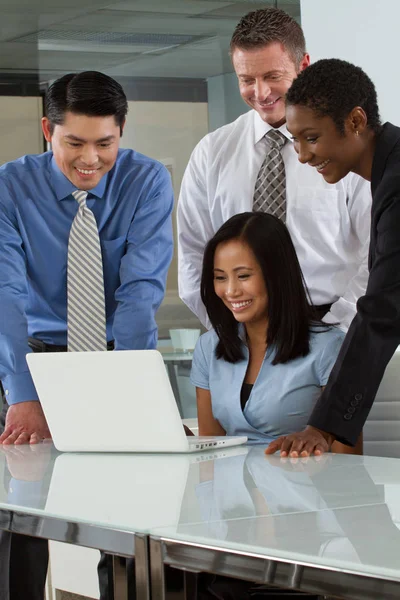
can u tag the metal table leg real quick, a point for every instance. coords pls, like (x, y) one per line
(120, 580)
(157, 570)
(142, 567)
(142, 571)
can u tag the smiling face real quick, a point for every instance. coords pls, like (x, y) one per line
(319, 143)
(265, 74)
(239, 282)
(84, 148)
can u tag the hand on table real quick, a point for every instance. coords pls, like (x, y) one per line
(304, 443)
(25, 424)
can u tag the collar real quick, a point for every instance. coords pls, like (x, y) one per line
(261, 128)
(63, 187)
(242, 333)
(243, 337)
(387, 138)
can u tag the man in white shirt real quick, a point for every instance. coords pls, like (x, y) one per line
(329, 224)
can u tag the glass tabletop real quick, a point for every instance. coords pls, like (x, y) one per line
(130, 492)
(337, 511)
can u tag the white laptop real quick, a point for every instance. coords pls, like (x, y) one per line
(113, 402)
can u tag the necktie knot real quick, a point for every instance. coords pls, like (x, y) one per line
(276, 138)
(80, 196)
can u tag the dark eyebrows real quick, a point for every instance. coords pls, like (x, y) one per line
(267, 74)
(235, 269)
(302, 131)
(108, 138)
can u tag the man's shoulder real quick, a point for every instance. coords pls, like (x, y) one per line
(350, 187)
(20, 167)
(131, 160)
(353, 181)
(134, 173)
(230, 132)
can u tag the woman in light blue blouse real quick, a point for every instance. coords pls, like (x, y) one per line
(261, 368)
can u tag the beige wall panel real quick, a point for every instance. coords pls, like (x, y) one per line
(168, 132)
(20, 130)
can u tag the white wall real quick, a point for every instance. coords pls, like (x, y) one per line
(364, 32)
(168, 132)
(225, 103)
(73, 569)
(20, 127)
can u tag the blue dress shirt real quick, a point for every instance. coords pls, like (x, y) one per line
(132, 205)
(283, 395)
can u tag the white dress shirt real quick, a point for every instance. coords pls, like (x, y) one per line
(329, 224)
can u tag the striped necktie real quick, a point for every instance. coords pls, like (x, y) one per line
(85, 283)
(270, 188)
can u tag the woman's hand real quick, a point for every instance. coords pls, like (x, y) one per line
(304, 443)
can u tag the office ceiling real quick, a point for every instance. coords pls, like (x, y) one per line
(134, 38)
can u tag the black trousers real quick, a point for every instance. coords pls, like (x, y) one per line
(217, 587)
(23, 559)
(173, 578)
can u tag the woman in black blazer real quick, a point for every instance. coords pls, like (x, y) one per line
(332, 114)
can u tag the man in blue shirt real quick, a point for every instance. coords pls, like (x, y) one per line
(131, 198)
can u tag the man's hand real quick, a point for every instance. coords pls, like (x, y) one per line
(25, 424)
(307, 442)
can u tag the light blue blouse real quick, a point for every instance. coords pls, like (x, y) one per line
(283, 395)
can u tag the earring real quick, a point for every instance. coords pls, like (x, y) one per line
(357, 132)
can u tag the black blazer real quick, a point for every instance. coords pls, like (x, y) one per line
(374, 333)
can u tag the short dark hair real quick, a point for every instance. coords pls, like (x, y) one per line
(267, 25)
(332, 88)
(90, 93)
(289, 310)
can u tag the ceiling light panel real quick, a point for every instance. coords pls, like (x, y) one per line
(181, 7)
(106, 37)
(85, 61)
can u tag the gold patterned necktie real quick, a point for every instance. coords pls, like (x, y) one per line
(270, 188)
(85, 282)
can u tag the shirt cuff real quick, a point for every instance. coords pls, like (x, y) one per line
(341, 314)
(19, 388)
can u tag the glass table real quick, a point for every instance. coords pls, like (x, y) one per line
(328, 525)
(83, 499)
